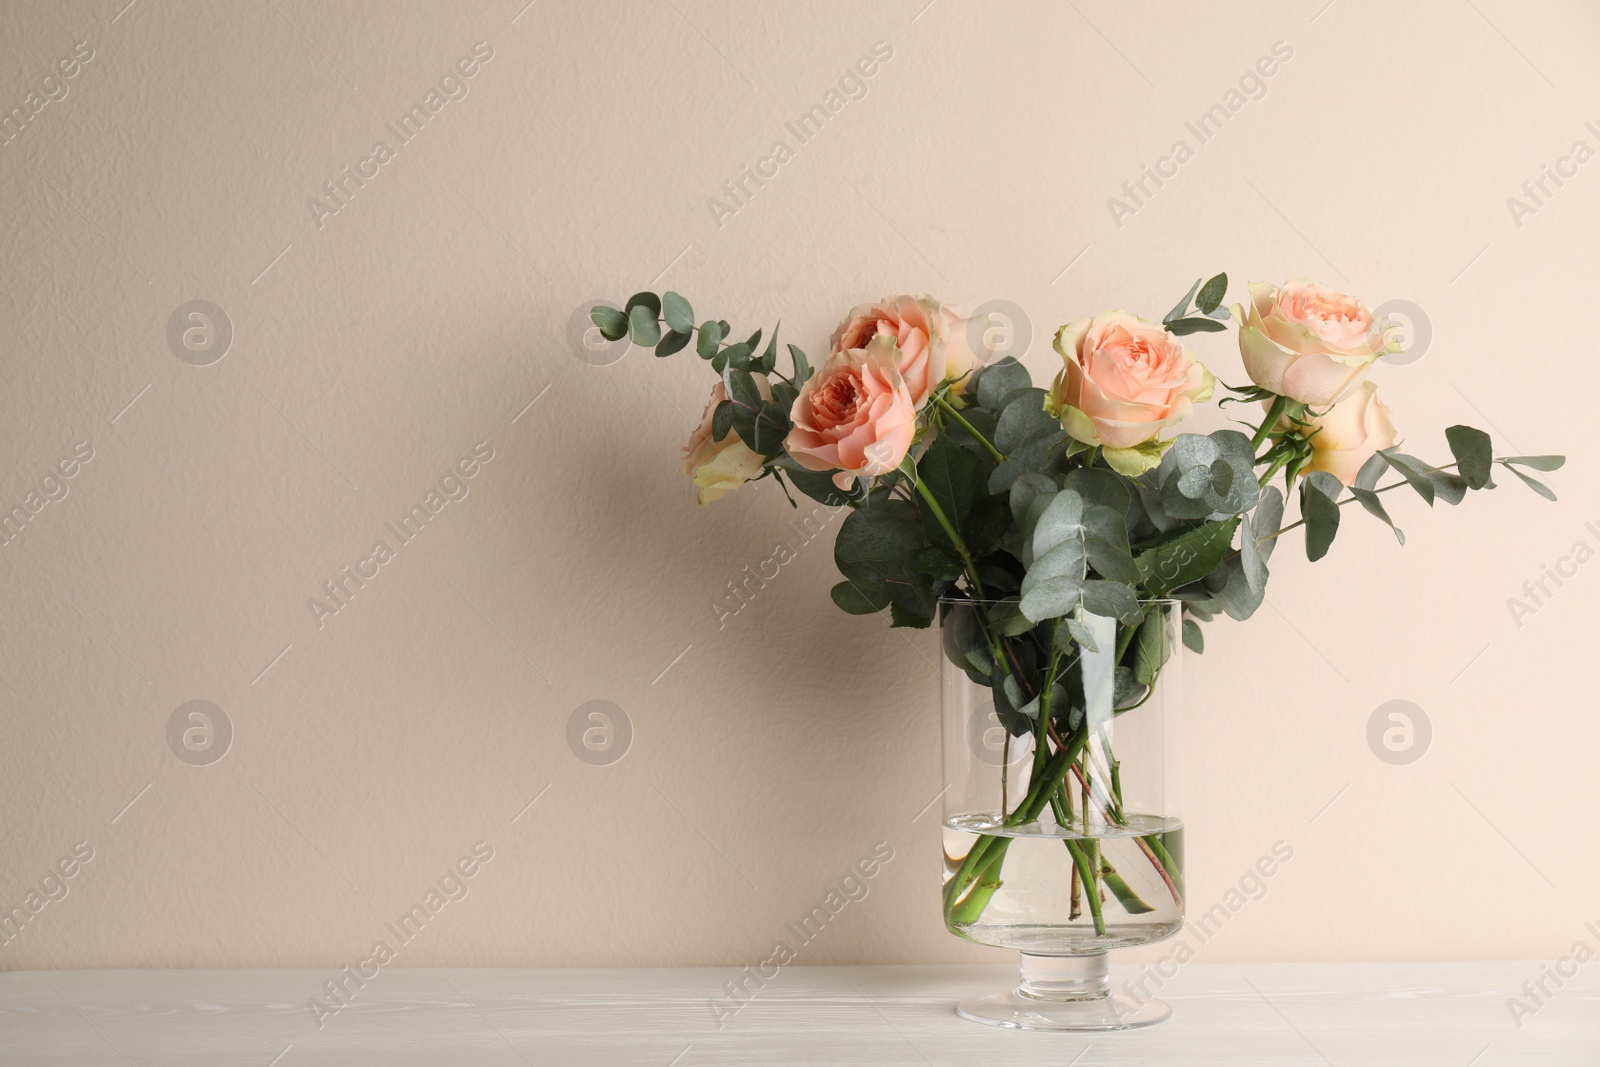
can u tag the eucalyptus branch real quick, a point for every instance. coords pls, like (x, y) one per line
(1351, 500)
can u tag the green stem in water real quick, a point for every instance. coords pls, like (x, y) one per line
(952, 413)
(1043, 784)
(1153, 847)
(1091, 885)
(967, 910)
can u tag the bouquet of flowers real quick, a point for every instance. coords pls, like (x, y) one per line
(1059, 517)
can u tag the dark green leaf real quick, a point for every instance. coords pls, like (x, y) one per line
(613, 323)
(1150, 646)
(769, 358)
(860, 597)
(1179, 558)
(818, 485)
(1211, 293)
(1474, 454)
(1194, 639)
(1413, 470)
(722, 420)
(901, 615)
(644, 300)
(884, 531)
(999, 380)
(673, 342)
(956, 478)
(676, 310)
(643, 326)
(1180, 327)
(1022, 419)
(802, 369)
(1448, 486)
(1319, 507)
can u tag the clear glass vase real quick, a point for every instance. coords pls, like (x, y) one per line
(1061, 832)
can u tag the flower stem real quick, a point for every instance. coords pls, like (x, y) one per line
(1274, 413)
(910, 472)
(952, 413)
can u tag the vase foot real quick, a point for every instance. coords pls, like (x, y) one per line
(1017, 1010)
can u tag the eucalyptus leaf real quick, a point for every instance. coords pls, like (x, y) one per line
(673, 342)
(1374, 506)
(613, 324)
(710, 339)
(643, 326)
(1211, 293)
(676, 310)
(1413, 470)
(1474, 454)
(1538, 463)
(1533, 483)
(1182, 306)
(645, 300)
(1319, 507)
(1111, 599)
(999, 380)
(1194, 639)
(1193, 324)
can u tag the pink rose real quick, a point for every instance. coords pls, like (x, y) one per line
(930, 338)
(855, 415)
(1347, 434)
(1306, 342)
(1123, 381)
(719, 467)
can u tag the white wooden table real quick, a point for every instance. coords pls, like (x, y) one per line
(1452, 1015)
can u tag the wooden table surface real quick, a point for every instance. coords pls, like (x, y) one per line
(1452, 1015)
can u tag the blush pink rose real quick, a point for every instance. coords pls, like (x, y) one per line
(719, 467)
(855, 415)
(1345, 436)
(1307, 342)
(1123, 380)
(931, 340)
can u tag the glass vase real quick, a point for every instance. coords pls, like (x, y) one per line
(1061, 831)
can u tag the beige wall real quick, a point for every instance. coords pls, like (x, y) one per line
(374, 347)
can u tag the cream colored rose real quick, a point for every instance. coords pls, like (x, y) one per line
(1307, 342)
(1123, 381)
(719, 467)
(930, 340)
(1348, 434)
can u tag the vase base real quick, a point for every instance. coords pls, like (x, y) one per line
(1017, 1010)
